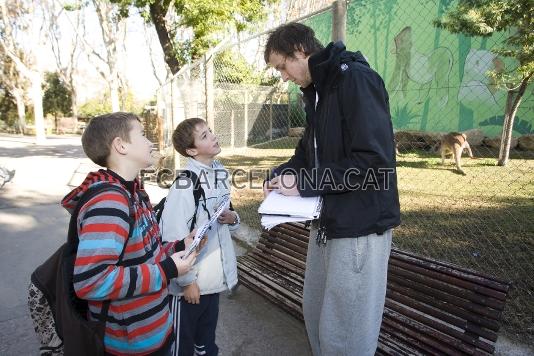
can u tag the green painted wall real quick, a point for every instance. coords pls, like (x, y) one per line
(436, 80)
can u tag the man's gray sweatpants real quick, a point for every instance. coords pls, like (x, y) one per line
(344, 293)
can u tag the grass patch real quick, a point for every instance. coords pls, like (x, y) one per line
(483, 221)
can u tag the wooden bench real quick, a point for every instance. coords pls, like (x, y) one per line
(431, 308)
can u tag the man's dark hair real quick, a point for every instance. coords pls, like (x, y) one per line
(292, 37)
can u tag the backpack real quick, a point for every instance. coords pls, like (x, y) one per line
(198, 193)
(54, 280)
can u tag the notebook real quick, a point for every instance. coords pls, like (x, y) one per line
(202, 230)
(278, 208)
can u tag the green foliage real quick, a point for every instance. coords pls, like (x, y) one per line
(209, 20)
(231, 67)
(486, 17)
(8, 108)
(95, 106)
(130, 104)
(102, 105)
(57, 99)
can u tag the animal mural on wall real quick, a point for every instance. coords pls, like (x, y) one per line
(477, 88)
(428, 70)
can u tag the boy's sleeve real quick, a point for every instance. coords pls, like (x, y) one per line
(171, 247)
(175, 221)
(103, 227)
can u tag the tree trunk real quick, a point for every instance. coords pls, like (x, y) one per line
(37, 100)
(74, 108)
(512, 104)
(158, 10)
(114, 92)
(21, 110)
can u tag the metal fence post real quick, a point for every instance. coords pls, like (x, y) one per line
(339, 20)
(288, 111)
(209, 89)
(232, 129)
(245, 135)
(271, 117)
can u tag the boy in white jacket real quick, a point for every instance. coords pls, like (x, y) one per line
(195, 296)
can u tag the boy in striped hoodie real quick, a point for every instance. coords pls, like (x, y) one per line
(138, 321)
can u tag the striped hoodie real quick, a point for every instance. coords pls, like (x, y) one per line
(138, 321)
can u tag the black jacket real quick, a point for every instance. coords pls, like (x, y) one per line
(355, 146)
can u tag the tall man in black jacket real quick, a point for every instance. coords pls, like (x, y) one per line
(347, 155)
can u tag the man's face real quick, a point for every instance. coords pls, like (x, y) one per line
(294, 68)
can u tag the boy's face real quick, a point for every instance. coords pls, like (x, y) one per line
(294, 68)
(139, 147)
(206, 143)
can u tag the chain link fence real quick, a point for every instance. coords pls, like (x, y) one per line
(438, 83)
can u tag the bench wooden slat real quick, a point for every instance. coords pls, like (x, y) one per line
(421, 284)
(274, 282)
(432, 337)
(273, 296)
(280, 246)
(453, 270)
(289, 259)
(302, 231)
(295, 277)
(452, 280)
(438, 325)
(389, 344)
(449, 308)
(286, 234)
(294, 241)
(264, 267)
(300, 246)
(393, 296)
(409, 338)
(300, 239)
(256, 253)
(295, 249)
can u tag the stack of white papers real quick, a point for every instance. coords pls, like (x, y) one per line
(278, 209)
(201, 231)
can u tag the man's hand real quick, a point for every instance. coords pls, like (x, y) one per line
(183, 265)
(227, 217)
(192, 293)
(285, 184)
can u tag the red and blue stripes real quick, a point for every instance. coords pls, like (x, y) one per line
(138, 320)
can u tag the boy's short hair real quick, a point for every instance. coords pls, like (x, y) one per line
(292, 37)
(183, 136)
(102, 130)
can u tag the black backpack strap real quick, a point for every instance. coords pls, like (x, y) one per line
(158, 208)
(73, 225)
(198, 193)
